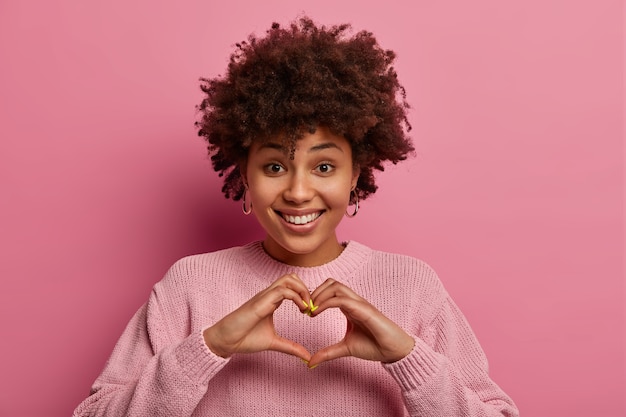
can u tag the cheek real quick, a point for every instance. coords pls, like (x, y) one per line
(257, 198)
(338, 195)
(262, 193)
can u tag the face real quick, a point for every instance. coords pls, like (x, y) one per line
(300, 201)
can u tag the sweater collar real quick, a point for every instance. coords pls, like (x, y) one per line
(342, 268)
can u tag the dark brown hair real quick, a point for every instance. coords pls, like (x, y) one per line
(298, 78)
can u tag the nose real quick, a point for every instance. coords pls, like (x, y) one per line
(299, 189)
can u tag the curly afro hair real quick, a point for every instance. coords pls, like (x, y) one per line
(296, 79)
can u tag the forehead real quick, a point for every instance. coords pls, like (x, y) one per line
(320, 140)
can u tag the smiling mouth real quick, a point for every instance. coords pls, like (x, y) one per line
(300, 220)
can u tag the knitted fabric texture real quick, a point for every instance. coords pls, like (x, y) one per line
(162, 367)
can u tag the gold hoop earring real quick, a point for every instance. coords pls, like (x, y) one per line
(356, 204)
(245, 210)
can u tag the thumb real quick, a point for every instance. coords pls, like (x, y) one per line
(338, 350)
(280, 344)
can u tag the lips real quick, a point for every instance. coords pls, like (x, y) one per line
(301, 219)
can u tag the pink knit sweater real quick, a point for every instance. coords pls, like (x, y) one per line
(162, 367)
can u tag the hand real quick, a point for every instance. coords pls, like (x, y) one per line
(250, 328)
(369, 334)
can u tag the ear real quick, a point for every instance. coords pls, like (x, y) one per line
(356, 171)
(243, 171)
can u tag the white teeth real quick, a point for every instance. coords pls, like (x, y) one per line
(301, 219)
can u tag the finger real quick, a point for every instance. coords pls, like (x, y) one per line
(289, 282)
(329, 282)
(331, 288)
(357, 310)
(273, 298)
(337, 295)
(293, 282)
(338, 350)
(327, 290)
(280, 344)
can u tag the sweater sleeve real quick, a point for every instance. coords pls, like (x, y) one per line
(150, 373)
(446, 373)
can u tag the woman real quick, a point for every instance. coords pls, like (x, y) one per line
(297, 126)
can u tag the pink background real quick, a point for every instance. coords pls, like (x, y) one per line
(516, 195)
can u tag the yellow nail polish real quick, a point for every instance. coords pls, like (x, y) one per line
(312, 367)
(305, 304)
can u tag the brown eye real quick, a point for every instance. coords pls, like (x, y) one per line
(324, 168)
(274, 168)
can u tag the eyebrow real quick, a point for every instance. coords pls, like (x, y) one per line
(316, 148)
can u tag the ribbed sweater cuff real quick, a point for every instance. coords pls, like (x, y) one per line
(414, 369)
(198, 362)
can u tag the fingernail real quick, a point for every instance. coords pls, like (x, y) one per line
(312, 367)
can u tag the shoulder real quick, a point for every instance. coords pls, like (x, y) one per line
(398, 263)
(194, 263)
(403, 287)
(200, 269)
(403, 270)
(402, 261)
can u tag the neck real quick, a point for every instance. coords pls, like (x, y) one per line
(321, 255)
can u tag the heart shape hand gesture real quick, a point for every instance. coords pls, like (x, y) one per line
(369, 334)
